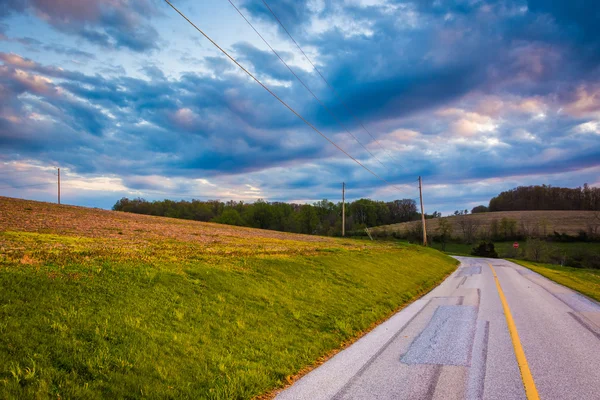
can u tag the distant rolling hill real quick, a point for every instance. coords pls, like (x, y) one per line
(543, 222)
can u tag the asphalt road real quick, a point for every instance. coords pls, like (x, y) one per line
(456, 343)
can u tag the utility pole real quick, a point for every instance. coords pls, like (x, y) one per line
(58, 185)
(422, 212)
(343, 209)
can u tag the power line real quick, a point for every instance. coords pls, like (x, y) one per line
(325, 80)
(304, 84)
(274, 95)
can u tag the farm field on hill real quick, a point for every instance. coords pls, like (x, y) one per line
(567, 222)
(100, 304)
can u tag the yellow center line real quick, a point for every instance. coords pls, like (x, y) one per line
(530, 389)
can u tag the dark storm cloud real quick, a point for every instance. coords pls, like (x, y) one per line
(451, 49)
(578, 18)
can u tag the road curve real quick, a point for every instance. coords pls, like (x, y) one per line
(456, 343)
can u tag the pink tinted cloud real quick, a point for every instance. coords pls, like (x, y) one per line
(109, 23)
(17, 61)
(586, 102)
(34, 83)
(68, 11)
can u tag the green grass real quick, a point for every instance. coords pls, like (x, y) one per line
(131, 317)
(505, 249)
(585, 281)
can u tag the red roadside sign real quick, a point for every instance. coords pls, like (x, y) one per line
(516, 245)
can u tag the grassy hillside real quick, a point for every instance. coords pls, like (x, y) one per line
(586, 281)
(568, 222)
(100, 304)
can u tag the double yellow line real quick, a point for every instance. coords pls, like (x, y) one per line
(530, 389)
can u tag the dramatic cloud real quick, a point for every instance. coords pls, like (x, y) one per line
(109, 23)
(474, 96)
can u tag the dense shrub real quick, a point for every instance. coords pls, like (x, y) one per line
(479, 209)
(485, 249)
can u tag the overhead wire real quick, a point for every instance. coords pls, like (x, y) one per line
(277, 97)
(326, 81)
(305, 85)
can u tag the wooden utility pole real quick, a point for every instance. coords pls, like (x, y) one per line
(422, 212)
(59, 186)
(343, 209)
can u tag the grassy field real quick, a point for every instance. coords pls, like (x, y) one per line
(100, 304)
(505, 249)
(586, 281)
(568, 222)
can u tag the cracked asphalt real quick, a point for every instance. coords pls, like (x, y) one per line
(454, 343)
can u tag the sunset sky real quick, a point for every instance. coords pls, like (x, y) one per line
(129, 100)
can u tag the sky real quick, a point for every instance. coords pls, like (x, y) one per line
(129, 100)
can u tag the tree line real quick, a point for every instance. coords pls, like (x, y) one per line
(546, 197)
(320, 218)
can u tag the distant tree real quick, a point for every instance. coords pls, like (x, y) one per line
(508, 228)
(546, 197)
(199, 211)
(402, 210)
(536, 250)
(494, 230)
(322, 217)
(364, 212)
(259, 214)
(479, 209)
(230, 217)
(415, 232)
(468, 227)
(436, 214)
(308, 219)
(444, 231)
(594, 226)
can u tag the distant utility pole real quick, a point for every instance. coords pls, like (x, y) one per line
(343, 209)
(58, 185)
(422, 212)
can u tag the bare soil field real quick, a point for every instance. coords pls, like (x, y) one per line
(133, 231)
(568, 222)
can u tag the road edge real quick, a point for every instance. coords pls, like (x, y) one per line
(346, 344)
